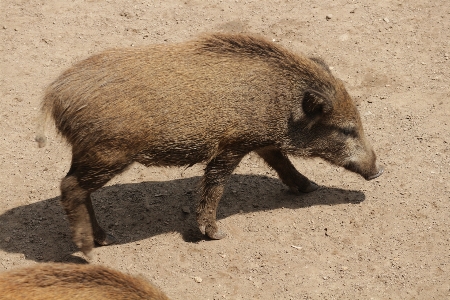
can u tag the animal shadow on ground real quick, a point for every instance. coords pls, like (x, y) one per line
(133, 212)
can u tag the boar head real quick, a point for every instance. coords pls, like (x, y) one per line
(331, 128)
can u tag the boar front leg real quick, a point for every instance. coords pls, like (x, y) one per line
(217, 173)
(286, 171)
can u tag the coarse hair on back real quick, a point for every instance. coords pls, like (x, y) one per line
(250, 46)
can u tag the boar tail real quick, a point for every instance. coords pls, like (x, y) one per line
(42, 121)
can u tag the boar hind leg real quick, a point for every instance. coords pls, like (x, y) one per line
(217, 173)
(76, 188)
(286, 171)
(73, 200)
(101, 237)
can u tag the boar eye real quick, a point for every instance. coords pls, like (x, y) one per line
(349, 131)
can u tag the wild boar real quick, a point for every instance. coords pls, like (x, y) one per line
(211, 100)
(52, 281)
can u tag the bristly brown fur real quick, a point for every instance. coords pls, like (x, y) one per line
(252, 47)
(211, 100)
(52, 281)
(249, 46)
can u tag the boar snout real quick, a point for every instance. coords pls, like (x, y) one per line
(380, 171)
(368, 169)
(368, 175)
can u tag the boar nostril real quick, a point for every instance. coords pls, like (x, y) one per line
(380, 171)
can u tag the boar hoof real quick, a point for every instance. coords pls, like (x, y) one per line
(84, 241)
(311, 187)
(106, 240)
(202, 229)
(217, 235)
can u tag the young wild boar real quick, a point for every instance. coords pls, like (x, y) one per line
(211, 100)
(53, 281)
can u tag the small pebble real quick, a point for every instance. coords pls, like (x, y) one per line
(8, 239)
(198, 279)
(328, 17)
(386, 20)
(186, 209)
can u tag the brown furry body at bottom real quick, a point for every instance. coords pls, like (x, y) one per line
(53, 281)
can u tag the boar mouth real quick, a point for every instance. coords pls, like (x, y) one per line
(351, 166)
(380, 171)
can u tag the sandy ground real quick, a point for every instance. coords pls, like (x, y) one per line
(352, 239)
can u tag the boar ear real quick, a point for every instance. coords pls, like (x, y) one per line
(316, 104)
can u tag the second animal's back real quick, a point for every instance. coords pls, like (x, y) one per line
(53, 281)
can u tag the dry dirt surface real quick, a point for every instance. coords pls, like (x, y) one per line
(352, 239)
